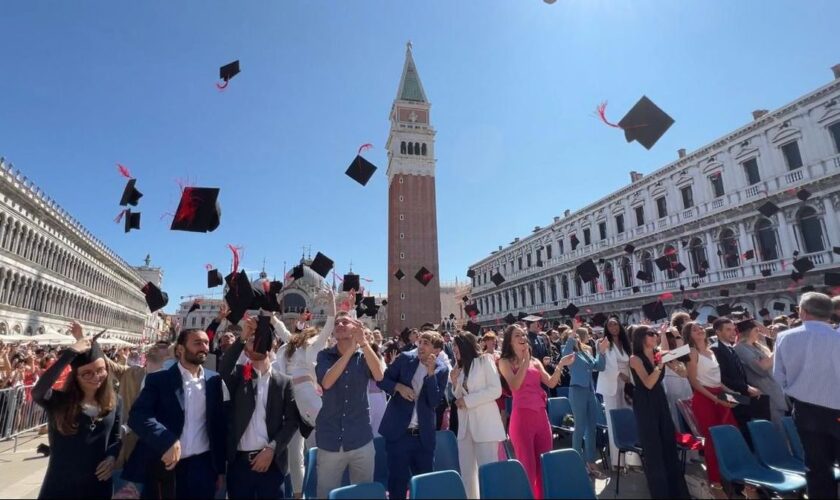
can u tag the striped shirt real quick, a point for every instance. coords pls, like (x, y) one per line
(807, 364)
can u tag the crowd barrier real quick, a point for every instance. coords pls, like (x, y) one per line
(19, 414)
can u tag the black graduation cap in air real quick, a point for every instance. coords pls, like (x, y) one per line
(645, 123)
(424, 276)
(360, 170)
(654, 311)
(351, 282)
(264, 334)
(724, 292)
(662, 263)
(297, 271)
(229, 70)
(91, 355)
(471, 310)
(688, 304)
(155, 298)
(132, 220)
(695, 285)
(240, 295)
(836, 250)
(749, 255)
(399, 274)
(711, 318)
(587, 271)
(570, 310)
(778, 306)
(130, 194)
(497, 279)
(599, 319)
(636, 289)
(465, 299)
(473, 328)
(194, 307)
(751, 287)
(693, 315)
(832, 279)
(214, 278)
(763, 312)
(510, 319)
(795, 276)
(803, 265)
(642, 275)
(766, 273)
(574, 241)
(701, 273)
(521, 316)
(803, 194)
(384, 302)
(198, 210)
(265, 295)
(470, 273)
(322, 264)
(724, 310)
(629, 248)
(768, 209)
(679, 268)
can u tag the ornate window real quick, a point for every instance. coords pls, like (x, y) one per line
(697, 255)
(626, 272)
(402, 147)
(729, 249)
(423, 149)
(810, 230)
(609, 277)
(765, 235)
(564, 286)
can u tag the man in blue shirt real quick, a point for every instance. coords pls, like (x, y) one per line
(806, 366)
(344, 436)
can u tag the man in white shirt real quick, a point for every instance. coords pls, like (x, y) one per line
(264, 418)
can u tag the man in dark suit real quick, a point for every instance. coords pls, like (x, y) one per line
(180, 423)
(416, 382)
(263, 419)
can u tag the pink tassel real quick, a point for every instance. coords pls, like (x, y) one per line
(120, 216)
(364, 147)
(602, 114)
(124, 171)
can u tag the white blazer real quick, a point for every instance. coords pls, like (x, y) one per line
(482, 416)
(608, 379)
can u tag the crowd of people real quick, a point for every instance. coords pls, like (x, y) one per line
(170, 428)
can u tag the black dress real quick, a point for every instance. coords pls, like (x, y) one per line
(663, 470)
(71, 471)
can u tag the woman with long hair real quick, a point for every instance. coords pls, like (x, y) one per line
(676, 382)
(476, 386)
(585, 406)
(757, 358)
(529, 429)
(709, 407)
(656, 430)
(616, 375)
(84, 423)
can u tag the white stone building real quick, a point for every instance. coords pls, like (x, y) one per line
(53, 270)
(702, 211)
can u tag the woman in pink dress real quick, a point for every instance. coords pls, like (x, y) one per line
(529, 429)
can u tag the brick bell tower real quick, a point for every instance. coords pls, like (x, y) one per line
(412, 213)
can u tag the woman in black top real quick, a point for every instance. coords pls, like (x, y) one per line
(84, 423)
(656, 430)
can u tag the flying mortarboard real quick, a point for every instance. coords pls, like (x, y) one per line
(629, 248)
(214, 278)
(155, 298)
(195, 306)
(654, 311)
(350, 282)
(521, 316)
(751, 287)
(803, 265)
(473, 328)
(768, 209)
(644, 123)
(587, 271)
(240, 295)
(510, 319)
(198, 210)
(723, 310)
(749, 255)
(836, 250)
(763, 312)
(361, 170)
(322, 264)
(636, 289)
(132, 220)
(662, 263)
(229, 70)
(497, 279)
(424, 276)
(264, 334)
(832, 279)
(803, 194)
(471, 310)
(297, 271)
(688, 304)
(570, 310)
(470, 273)
(679, 268)
(642, 275)
(795, 276)
(766, 273)
(778, 306)
(695, 285)
(130, 194)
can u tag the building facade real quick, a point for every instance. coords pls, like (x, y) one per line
(701, 211)
(412, 207)
(53, 270)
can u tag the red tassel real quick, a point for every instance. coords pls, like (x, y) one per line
(602, 113)
(124, 171)
(235, 251)
(666, 296)
(246, 371)
(120, 216)
(266, 286)
(222, 86)
(208, 266)
(364, 147)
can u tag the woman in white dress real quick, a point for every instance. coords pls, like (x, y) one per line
(297, 359)
(476, 386)
(676, 384)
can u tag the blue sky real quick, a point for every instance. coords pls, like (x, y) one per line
(513, 86)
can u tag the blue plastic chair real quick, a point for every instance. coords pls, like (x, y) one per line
(562, 391)
(771, 449)
(310, 475)
(796, 443)
(737, 465)
(373, 491)
(380, 461)
(564, 476)
(437, 485)
(446, 452)
(625, 437)
(558, 408)
(504, 480)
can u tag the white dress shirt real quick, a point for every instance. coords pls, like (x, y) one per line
(255, 436)
(194, 439)
(417, 385)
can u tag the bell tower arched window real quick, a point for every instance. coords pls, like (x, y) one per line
(423, 149)
(402, 147)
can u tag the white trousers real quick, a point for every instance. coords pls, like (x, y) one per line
(612, 403)
(297, 449)
(472, 455)
(331, 465)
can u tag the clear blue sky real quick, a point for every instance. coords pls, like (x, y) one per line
(513, 86)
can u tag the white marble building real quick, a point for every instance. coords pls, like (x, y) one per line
(53, 270)
(702, 211)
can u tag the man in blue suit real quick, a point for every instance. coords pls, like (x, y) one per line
(416, 381)
(180, 422)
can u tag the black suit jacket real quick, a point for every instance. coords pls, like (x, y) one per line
(732, 373)
(281, 413)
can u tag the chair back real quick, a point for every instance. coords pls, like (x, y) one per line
(558, 408)
(380, 461)
(374, 491)
(564, 476)
(562, 391)
(769, 445)
(684, 406)
(437, 485)
(310, 475)
(732, 452)
(504, 480)
(793, 438)
(625, 433)
(446, 452)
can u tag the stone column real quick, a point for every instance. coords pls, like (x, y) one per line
(832, 225)
(786, 239)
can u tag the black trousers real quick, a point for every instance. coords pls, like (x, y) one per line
(242, 482)
(819, 429)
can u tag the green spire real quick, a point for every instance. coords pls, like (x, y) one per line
(410, 87)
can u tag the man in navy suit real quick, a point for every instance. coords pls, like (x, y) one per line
(180, 422)
(416, 381)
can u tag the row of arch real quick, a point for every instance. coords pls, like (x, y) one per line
(23, 291)
(23, 241)
(18, 329)
(413, 148)
(621, 272)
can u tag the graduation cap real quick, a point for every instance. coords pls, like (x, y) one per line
(424, 276)
(701, 273)
(132, 220)
(297, 271)
(836, 250)
(599, 319)
(688, 304)
(471, 310)
(636, 289)
(384, 302)
(240, 295)
(369, 302)
(778, 306)
(91, 355)
(679, 268)
(350, 282)
(795, 276)
(510, 319)
(587, 271)
(642, 275)
(695, 285)
(663, 263)
(265, 295)
(723, 310)
(361, 170)
(198, 210)
(228, 71)
(724, 292)
(746, 325)
(473, 328)
(803, 265)
(470, 274)
(832, 279)
(751, 287)
(749, 255)
(629, 248)
(803, 194)
(400, 275)
(521, 316)
(654, 311)
(693, 315)
(531, 318)
(195, 306)
(644, 123)
(130, 194)
(711, 318)
(570, 310)
(214, 278)
(497, 279)
(322, 265)
(264, 334)
(465, 299)
(766, 273)
(155, 298)
(768, 209)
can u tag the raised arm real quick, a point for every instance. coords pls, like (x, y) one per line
(514, 380)
(43, 393)
(280, 328)
(648, 379)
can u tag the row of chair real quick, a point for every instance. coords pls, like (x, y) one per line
(564, 477)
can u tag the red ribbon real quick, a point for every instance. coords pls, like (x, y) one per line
(235, 251)
(222, 86)
(208, 266)
(364, 147)
(602, 113)
(120, 215)
(124, 171)
(666, 296)
(266, 286)
(188, 209)
(247, 368)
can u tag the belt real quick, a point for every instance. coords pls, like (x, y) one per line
(248, 454)
(302, 380)
(413, 431)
